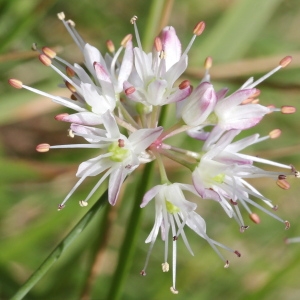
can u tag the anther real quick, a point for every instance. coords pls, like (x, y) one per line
(254, 218)
(126, 39)
(83, 203)
(184, 84)
(130, 90)
(173, 290)
(17, 84)
(121, 143)
(42, 148)
(110, 46)
(162, 54)
(60, 117)
(61, 15)
(296, 173)
(199, 28)
(71, 133)
(158, 44)
(226, 264)
(133, 19)
(45, 60)
(165, 267)
(288, 109)
(282, 183)
(243, 228)
(34, 46)
(280, 177)
(60, 207)
(287, 225)
(238, 254)
(233, 202)
(175, 238)
(285, 61)
(70, 72)
(73, 97)
(71, 23)
(49, 52)
(275, 207)
(70, 87)
(274, 134)
(208, 62)
(143, 273)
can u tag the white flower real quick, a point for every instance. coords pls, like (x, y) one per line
(172, 213)
(122, 156)
(222, 170)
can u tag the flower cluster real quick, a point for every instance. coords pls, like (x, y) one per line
(118, 99)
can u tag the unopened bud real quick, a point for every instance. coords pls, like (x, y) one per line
(45, 60)
(42, 148)
(254, 218)
(199, 28)
(282, 183)
(17, 84)
(274, 134)
(49, 52)
(285, 61)
(126, 39)
(288, 109)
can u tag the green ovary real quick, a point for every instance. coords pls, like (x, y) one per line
(118, 154)
(219, 178)
(172, 209)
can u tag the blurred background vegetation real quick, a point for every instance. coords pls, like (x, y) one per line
(245, 38)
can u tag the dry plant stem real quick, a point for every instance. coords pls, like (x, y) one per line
(102, 241)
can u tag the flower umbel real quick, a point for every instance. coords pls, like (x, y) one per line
(117, 100)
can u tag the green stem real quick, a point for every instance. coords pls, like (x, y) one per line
(181, 161)
(162, 170)
(130, 239)
(58, 251)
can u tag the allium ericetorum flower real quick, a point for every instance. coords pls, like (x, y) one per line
(117, 103)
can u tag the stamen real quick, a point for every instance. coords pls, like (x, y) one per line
(288, 109)
(71, 133)
(126, 39)
(143, 273)
(42, 148)
(184, 84)
(165, 267)
(275, 207)
(158, 44)
(133, 19)
(45, 60)
(60, 207)
(285, 61)
(254, 218)
(287, 225)
(60, 117)
(199, 28)
(226, 264)
(238, 254)
(274, 134)
(243, 228)
(208, 62)
(83, 203)
(282, 183)
(49, 52)
(110, 46)
(130, 90)
(121, 143)
(70, 72)
(173, 290)
(70, 87)
(17, 84)
(280, 177)
(61, 15)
